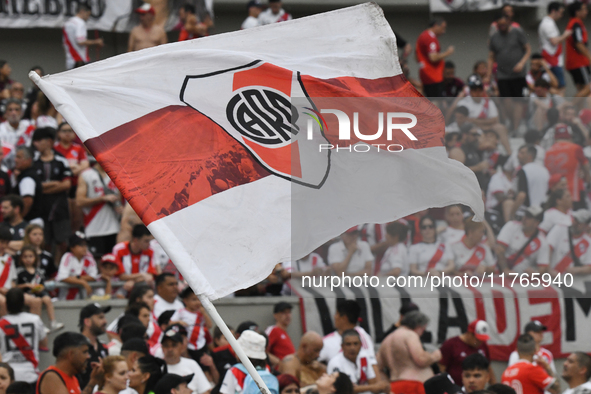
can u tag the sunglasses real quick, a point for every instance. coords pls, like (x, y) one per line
(427, 226)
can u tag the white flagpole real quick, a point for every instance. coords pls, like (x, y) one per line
(215, 316)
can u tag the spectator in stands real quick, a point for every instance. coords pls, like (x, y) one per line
(136, 258)
(303, 364)
(45, 114)
(93, 324)
(540, 101)
(402, 354)
(128, 327)
(167, 292)
(34, 237)
(499, 197)
(275, 13)
(470, 254)
(533, 137)
(454, 218)
(15, 130)
(145, 374)
(223, 355)
(351, 255)
(430, 58)
(5, 80)
(532, 180)
(430, 255)
(288, 384)
(12, 208)
(108, 269)
(454, 350)
(346, 317)
(509, 48)
(253, 8)
(460, 114)
(567, 159)
(115, 375)
(536, 330)
(468, 153)
(147, 34)
(133, 349)
(77, 268)
(71, 352)
(406, 307)
(577, 372)
(452, 85)
(191, 27)
(29, 185)
(395, 259)
(578, 56)
(569, 246)
(21, 353)
(172, 347)
(75, 39)
(6, 376)
(356, 363)
(310, 265)
(337, 382)
(54, 172)
(539, 69)
(551, 42)
(525, 375)
(559, 211)
(475, 375)
(280, 344)
(521, 247)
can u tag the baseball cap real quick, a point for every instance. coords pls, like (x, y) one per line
(352, 230)
(582, 215)
(136, 345)
(441, 384)
(93, 309)
(109, 258)
(253, 344)
(78, 238)
(535, 211)
(171, 381)
(182, 330)
(254, 3)
(534, 326)
(562, 132)
(480, 330)
(172, 335)
(474, 82)
(145, 9)
(282, 306)
(247, 325)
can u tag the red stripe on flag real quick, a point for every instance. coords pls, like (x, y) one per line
(267, 75)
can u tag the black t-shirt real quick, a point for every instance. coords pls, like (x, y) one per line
(5, 187)
(46, 264)
(23, 276)
(54, 205)
(35, 192)
(95, 354)
(18, 231)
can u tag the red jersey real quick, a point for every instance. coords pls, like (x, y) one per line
(430, 72)
(527, 378)
(70, 381)
(574, 58)
(74, 154)
(280, 344)
(566, 158)
(130, 263)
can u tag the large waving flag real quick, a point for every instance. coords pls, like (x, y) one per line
(246, 149)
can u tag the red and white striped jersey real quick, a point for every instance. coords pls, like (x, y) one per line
(130, 263)
(197, 332)
(7, 271)
(71, 266)
(73, 33)
(360, 372)
(19, 344)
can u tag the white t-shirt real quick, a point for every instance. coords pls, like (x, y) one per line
(537, 177)
(547, 30)
(250, 22)
(422, 253)
(395, 257)
(187, 366)
(9, 136)
(332, 345)
(451, 235)
(31, 328)
(71, 266)
(73, 34)
(160, 305)
(584, 388)
(267, 17)
(337, 253)
(498, 183)
(512, 163)
(552, 217)
(104, 221)
(308, 264)
(360, 371)
(485, 109)
(536, 253)
(558, 240)
(469, 259)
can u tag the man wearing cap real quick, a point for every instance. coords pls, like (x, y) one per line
(532, 180)
(75, 38)
(173, 384)
(146, 34)
(280, 344)
(172, 348)
(455, 350)
(536, 330)
(56, 179)
(567, 159)
(529, 374)
(521, 247)
(100, 201)
(576, 373)
(351, 255)
(570, 246)
(71, 352)
(254, 8)
(93, 324)
(77, 268)
(275, 13)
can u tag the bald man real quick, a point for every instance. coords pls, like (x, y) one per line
(304, 364)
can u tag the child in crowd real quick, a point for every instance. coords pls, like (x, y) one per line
(34, 237)
(31, 278)
(77, 267)
(108, 269)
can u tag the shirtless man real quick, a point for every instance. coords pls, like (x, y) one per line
(303, 364)
(402, 354)
(147, 34)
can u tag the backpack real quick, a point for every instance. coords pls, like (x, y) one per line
(250, 387)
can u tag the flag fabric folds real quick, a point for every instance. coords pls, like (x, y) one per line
(226, 145)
